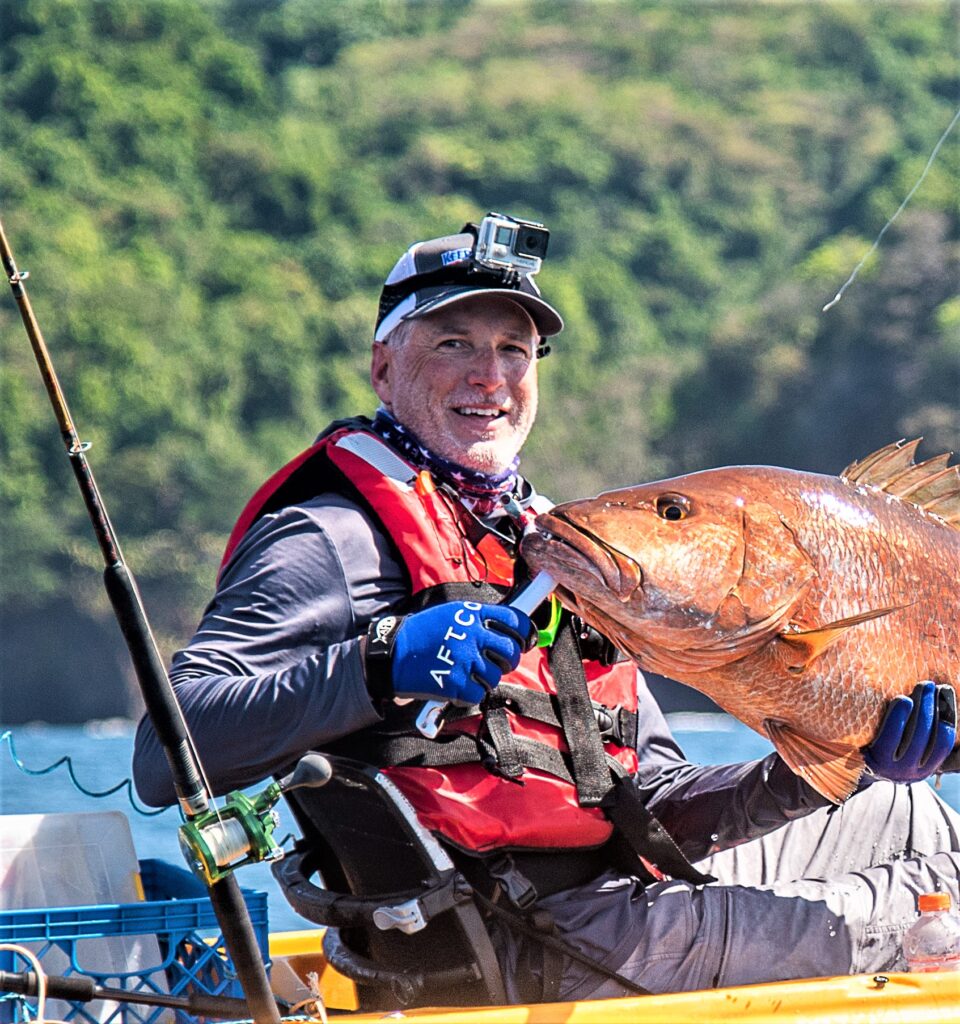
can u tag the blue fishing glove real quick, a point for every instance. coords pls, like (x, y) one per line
(453, 652)
(916, 735)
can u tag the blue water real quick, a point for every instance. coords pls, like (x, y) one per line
(100, 753)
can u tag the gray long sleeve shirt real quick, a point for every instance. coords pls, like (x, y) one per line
(274, 670)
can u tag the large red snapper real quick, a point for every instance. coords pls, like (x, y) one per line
(800, 603)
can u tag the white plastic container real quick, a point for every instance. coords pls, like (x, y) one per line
(75, 860)
(932, 942)
(67, 860)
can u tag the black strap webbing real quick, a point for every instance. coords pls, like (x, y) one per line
(590, 771)
(645, 835)
(461, 748)
(506, 760)
(600, 779)
(616, 723)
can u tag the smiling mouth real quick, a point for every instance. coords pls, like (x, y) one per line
(480, 414)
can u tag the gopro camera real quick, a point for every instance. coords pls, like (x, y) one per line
(505, 243)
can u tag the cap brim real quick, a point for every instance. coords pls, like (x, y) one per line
(546, 319)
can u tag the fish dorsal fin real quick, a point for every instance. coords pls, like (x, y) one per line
(932, 485)
(833, 769)
(877, 468)
(913, 476)
(812, 642)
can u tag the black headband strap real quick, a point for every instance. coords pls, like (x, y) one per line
(470, 276)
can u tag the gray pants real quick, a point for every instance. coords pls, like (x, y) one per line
(828, 894)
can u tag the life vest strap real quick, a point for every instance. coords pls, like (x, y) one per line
(643, 832)
(590, 771)
(600, 780)
(507, 760)
(617, 724)
(415, 751)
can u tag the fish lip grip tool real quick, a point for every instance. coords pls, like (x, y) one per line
(527, 599)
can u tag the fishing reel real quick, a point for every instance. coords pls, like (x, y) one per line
(222, 839)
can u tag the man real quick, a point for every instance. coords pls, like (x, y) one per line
(366, 577)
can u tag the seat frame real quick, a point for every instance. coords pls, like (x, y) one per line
(401, 920)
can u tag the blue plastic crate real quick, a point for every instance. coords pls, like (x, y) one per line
(177, 911)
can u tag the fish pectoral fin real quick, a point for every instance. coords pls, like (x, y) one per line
(833, 769)
(811, 643)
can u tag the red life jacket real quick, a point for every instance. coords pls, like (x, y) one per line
(467, 804)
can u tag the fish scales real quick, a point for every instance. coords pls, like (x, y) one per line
(800, 603)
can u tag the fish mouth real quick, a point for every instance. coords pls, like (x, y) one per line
(568, 551)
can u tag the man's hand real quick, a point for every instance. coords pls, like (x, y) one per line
(916, 736)
(453, 652)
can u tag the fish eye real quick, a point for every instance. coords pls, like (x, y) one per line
(673, 507)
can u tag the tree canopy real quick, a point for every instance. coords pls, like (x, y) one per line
(210, 194)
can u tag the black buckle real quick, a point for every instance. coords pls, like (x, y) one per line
(517, 887)
(616, 724)
(609, 723)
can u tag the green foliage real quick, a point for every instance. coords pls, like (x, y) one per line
(210, 194)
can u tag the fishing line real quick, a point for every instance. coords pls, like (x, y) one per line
(883, 230)
(126, 784)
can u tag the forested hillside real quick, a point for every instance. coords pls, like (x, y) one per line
(209, 195)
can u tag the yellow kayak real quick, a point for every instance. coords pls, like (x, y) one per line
(855, 999)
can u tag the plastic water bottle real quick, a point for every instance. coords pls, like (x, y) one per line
(932, 942)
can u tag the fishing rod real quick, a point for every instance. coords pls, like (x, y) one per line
(78, 988)
(203, 820)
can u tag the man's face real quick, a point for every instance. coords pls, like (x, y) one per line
(464, 380)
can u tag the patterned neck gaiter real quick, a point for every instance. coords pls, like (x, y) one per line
(480, 492)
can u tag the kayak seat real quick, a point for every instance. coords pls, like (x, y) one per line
(401, 920)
